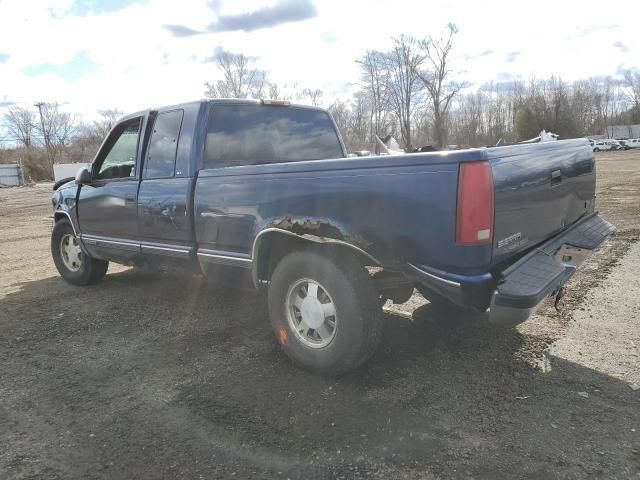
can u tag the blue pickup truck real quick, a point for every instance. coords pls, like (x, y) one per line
(263, 195)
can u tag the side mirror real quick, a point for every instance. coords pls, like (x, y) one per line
(83, 177)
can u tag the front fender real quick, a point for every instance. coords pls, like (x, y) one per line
(64, 202)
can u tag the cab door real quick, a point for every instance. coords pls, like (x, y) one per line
(164, 221)
(107, 207)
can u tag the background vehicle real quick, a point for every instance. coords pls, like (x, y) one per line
(633, 142)
(263, 195)
(603, 146)
(623, 145)
(616, 144)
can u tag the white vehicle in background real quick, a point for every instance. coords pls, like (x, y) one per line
(603, 146)
(633, 143)
(616, 144)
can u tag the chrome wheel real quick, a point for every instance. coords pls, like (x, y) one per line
(70, 252)
(311, 313)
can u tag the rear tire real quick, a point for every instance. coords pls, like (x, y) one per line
(305, 289)
(72, 263)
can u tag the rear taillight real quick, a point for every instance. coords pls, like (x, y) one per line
(474, 220)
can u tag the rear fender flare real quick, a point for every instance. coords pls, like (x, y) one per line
(304, 237)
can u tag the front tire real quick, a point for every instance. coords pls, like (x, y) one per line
(324, 313)
(72, 263)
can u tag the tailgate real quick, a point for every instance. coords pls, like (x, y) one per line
(545, 270)
(540, 190)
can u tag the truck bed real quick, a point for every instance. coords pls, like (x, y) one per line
(400, 209)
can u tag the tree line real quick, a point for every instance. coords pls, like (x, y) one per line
(46, 134)
(413, 91)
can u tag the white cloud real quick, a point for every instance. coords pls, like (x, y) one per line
(142, 64)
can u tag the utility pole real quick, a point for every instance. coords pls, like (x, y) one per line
(47, 142)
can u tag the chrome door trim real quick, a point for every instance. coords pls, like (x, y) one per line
(225, 258)
(129, 245)
(110, 242)
(224, 254)
(166, 249)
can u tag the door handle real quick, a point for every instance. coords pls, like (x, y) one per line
(129, 198)
(556, 177)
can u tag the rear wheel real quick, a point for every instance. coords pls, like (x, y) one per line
(72, 263)
(324, 313)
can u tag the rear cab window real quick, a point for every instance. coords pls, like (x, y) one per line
(163, 145)
(247, 134)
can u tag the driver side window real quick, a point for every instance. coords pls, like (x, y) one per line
(120, 160)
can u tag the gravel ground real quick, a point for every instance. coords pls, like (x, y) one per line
(159, 376)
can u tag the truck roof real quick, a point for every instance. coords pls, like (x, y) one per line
(240, 101)
(250, 101)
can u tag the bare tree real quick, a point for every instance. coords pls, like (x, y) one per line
(360, 122)
(437, 79)
(311, 96)
(89, 137)
(632, 82)
(20, 125)
(374, 77)
(56, 130)
(275, 91)
(108, 118)
(284, 91)
(239, 79)
(353, 122)
(402, 83)
(342, 116)
(602, 103)
(559, 116)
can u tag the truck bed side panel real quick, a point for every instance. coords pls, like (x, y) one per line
(398, 209)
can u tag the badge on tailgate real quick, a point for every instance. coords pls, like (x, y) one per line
(512, 242)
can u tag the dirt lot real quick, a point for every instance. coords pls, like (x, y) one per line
(147, 376)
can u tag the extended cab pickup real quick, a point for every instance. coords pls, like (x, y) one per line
(263, 195)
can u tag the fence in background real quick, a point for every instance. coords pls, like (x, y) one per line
(623, 131)
(11, 175)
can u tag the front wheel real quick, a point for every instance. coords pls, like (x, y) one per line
(72, 263)
(324, 314)
(596, 149)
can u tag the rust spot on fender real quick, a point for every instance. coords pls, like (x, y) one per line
(283, 336)
(291, 223)
(320, 227)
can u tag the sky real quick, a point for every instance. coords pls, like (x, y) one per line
(92, 55)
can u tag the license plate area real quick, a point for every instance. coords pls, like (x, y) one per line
(570, 255)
